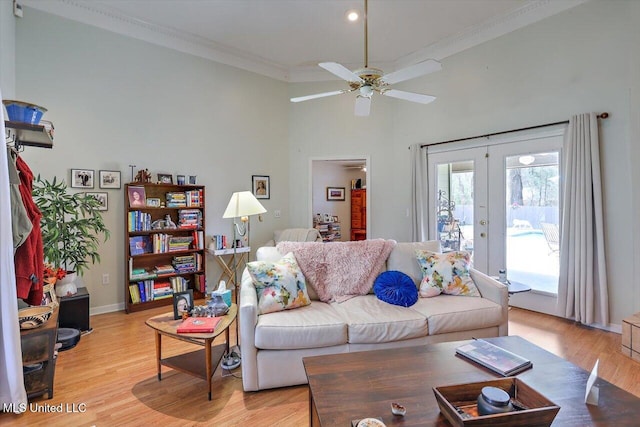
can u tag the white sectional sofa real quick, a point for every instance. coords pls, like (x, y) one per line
(274, 344)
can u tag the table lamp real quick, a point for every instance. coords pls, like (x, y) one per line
(242, 205)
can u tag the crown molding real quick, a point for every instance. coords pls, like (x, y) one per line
(114, 21)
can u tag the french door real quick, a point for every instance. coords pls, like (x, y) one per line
(501, 202)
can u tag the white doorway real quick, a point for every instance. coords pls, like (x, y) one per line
(336, 173)
(502, 203)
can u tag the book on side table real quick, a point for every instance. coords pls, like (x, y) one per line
(495, 358)
(200, 325)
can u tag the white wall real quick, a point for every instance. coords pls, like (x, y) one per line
(7, 50)
(117, 101)
(584, 59)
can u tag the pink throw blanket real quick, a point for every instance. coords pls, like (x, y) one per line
(340, 270)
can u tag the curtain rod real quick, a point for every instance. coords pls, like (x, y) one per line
(600, 116)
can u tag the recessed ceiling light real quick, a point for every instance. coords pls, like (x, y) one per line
(352, 15)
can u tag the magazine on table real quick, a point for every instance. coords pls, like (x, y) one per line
(495, 358)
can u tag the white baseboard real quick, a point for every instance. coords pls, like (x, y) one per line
(106, 309)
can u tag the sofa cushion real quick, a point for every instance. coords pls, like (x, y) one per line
(370, 320)
(270, 253)
(448, 313)
(395, 287)
(315, 325)
(279, 285)
(403, 258)
(446, 273)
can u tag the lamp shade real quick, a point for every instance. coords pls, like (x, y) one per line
(243, 203)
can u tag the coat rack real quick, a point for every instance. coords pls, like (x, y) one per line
(19, 134)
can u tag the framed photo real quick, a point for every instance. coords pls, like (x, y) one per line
(335, 194)
(49, 296)
(82, 178)
(180, 179)
(153, 202)
(103, 198)
(137, 197)
(261, 186)
(182, 302)
(192, 179)
(109, 179)
(165, 178)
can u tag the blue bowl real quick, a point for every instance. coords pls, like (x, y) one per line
(19, 111)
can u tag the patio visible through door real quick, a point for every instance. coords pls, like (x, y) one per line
(502, 203)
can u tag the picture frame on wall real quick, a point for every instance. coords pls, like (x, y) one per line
(182, 302)
(261, 187)
(82, 178)
(165, 178)
(109, 179)
(103, 198)
(335, 194)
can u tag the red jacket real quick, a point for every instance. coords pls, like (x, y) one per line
(29, 257)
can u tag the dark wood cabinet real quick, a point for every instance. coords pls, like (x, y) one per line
(39, 357)
(74, 311)
(359, 214)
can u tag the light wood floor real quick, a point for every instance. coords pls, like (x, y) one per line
(112, 372)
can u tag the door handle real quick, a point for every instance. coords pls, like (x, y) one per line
(483, 222)
(483, 234)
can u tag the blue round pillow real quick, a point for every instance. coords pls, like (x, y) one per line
(396, 288)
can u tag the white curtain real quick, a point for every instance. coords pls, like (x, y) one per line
(419, 194)
(11, 383)
(582, 287)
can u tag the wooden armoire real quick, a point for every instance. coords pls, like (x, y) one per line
(359, 214)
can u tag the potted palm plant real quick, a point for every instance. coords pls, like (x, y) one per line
(71, 227)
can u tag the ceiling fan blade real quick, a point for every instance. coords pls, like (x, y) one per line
(341, 71)
(318, 95)
(411, 72)
(409, 96)
(363, 105)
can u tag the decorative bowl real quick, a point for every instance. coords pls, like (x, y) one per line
(32, 317)
(19, 111)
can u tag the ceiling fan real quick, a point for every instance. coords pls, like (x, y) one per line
(368, 80)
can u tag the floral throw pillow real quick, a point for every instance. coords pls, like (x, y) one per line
(280, 285)
(446, 273)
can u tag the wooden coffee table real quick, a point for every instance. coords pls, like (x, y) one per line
(346, 387)
(198, 363)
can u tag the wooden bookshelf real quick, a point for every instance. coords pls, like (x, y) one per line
(150, 243)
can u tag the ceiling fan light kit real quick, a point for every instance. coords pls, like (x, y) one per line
(368, 80)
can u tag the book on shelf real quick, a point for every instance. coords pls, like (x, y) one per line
(497, 359)
(219, 241)
(138, 221)
(139, 245)
(201, 283)
(198, 325)
(135, 293)
(164, 269)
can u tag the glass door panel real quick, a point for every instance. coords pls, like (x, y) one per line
(458, 194)
(532, 218)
